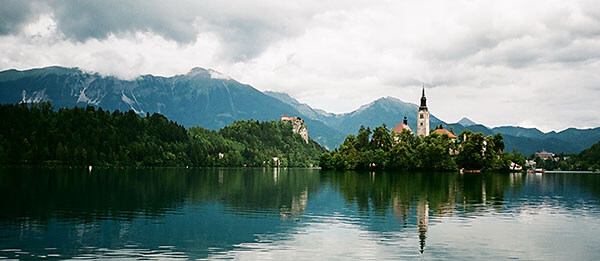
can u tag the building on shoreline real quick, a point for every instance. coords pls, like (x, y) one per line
(544, 155)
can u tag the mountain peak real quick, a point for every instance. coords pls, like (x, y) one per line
(283, 97)
(207, 72)
(466, 122)
(389, 99)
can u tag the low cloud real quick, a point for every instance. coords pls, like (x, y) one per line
(497, 63)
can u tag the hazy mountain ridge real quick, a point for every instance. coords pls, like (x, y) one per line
(391, 111)
(199, 98)
(212, 100)
(466, 122)
(305, 109)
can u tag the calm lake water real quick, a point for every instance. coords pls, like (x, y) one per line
(296, 214)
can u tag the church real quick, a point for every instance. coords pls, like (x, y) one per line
(422, 122)
(422, 119)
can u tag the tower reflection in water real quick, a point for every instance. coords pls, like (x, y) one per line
(203, 211)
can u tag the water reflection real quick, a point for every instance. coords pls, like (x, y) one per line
(280, 213)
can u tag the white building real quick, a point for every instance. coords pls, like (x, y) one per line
(423, 117)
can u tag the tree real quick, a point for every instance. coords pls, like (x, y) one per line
(349, 152)
(401, 156)
(434, 153)
(381, 138)
(93, 136)
(362, 139)
(471, 151)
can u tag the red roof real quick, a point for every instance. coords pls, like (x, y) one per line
(444, 131)
(401, 126)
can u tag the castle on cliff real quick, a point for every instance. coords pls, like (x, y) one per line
(298, 126)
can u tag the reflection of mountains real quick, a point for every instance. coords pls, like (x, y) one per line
(200, 211)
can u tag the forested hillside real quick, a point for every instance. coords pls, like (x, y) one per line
(37, 134)
(588, 159)
(200, 97)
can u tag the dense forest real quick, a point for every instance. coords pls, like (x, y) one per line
(38, 134)
(588, 159)
(383, 149)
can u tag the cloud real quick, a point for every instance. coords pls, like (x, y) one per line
(244, 28)
(496, 62)
(14, 14)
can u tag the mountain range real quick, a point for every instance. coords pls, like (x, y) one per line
(207, 98)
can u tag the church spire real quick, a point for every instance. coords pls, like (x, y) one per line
(423, 99)
(423, 117)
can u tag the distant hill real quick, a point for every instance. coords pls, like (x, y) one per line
(531, 140)
(199, 98)
(466, 122)
(315, 114)
(388, 110)
(391, 111)
(567, 141)
(520, 132)
(207, 98)
(590, 157)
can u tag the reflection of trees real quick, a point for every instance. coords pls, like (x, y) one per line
(75, 194)
(424, 194)
(254, 188)
(109, 208)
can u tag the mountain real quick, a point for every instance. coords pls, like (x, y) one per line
(520, 132)
(315, 114)
(531, 140)
(212, 100)
(391, 111)
(567, 141)
(388, 110)
(528, 146)
(466, 122)
(199, 98)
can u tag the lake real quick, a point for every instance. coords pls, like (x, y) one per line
(295, 214)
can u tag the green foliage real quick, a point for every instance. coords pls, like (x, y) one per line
(37, 134)
(433, 153)
(588, 160)
(472, 153)
(477, 152)
(404, 151)
(382, 138)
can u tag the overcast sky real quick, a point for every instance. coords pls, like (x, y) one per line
(527, 63)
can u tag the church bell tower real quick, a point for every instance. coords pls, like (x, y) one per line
(423, 117)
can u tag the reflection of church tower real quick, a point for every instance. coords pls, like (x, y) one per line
(423, 117)
(422, 221)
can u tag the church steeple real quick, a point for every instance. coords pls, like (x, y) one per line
(423, 99)
(423, 116)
